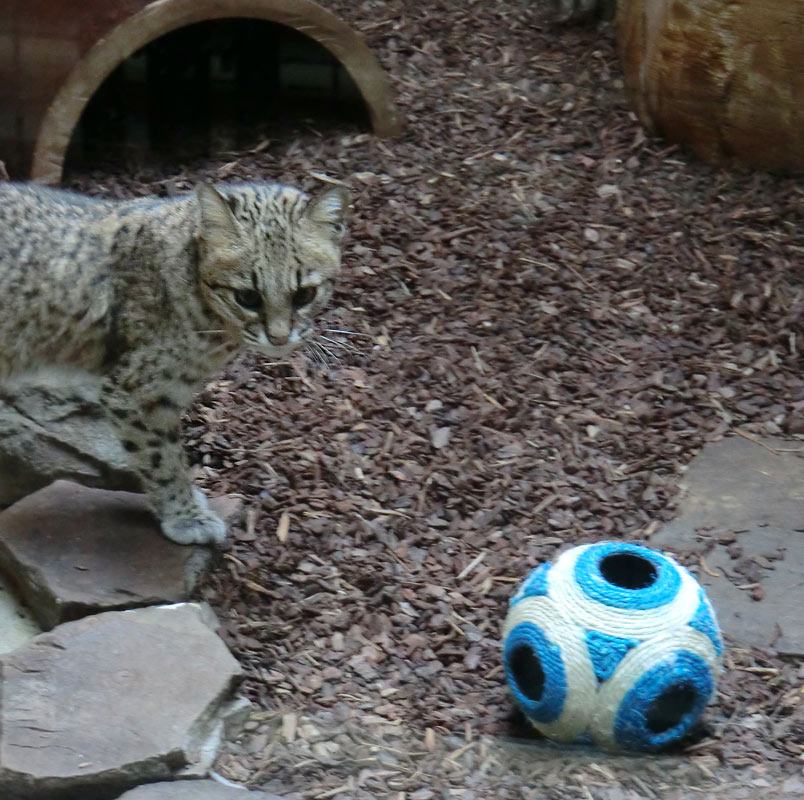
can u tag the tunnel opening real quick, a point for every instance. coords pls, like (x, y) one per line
(213, 87)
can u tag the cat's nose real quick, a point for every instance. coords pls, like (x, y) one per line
(278, 332)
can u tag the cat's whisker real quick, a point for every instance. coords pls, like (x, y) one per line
(325, 354)
(313, 352)
(347, 333)
(314, 355)
(343, 345)
(328, 354)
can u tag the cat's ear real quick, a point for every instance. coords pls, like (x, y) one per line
(329, 206)
(219, 229)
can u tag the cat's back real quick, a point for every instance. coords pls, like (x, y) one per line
(31, 214)
(47, 199)
(53, 257)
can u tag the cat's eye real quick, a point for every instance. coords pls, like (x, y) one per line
(249, 299)
(304, 296)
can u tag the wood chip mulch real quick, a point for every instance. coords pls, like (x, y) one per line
(549, 314)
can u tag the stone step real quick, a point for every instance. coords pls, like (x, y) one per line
(114, 700)
(743, 514)
(74, 551)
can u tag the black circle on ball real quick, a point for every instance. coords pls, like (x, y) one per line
(628, 571)
(527, 671)
(670, 708)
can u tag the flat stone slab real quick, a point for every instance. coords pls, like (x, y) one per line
(74, 551)
(111, 701)
(743, 511)
(17, 624)
(193, 790)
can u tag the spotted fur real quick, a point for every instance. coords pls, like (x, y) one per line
(153, 295)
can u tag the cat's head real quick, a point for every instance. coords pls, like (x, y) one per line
(268, 256)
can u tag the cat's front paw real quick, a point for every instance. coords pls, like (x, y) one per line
(203, 527)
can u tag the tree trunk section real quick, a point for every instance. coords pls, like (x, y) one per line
(723, 77)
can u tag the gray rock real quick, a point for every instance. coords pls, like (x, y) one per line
(52, 429)
(237, 715)
(193, 790)
(74, 551)
(743, 510)
(112, 701)
(17, 624)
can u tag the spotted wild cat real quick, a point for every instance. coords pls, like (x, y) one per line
(152, 295)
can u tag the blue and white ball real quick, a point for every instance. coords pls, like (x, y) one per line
(613, 643)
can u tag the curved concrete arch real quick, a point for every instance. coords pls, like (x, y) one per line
(164, 16)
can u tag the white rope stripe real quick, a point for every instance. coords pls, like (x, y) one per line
(623, 622)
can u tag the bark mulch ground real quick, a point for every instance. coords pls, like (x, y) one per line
(549, 313)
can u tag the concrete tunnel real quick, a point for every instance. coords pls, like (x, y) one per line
(57, 68)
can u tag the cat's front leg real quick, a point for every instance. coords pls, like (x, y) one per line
(149, 426)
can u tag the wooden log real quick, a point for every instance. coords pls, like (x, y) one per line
(723, 77)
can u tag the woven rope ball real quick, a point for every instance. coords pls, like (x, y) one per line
(612, 643)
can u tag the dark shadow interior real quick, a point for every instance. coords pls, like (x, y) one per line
(628, 571)
(528, 672)
(669, 708)
(215, 87)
